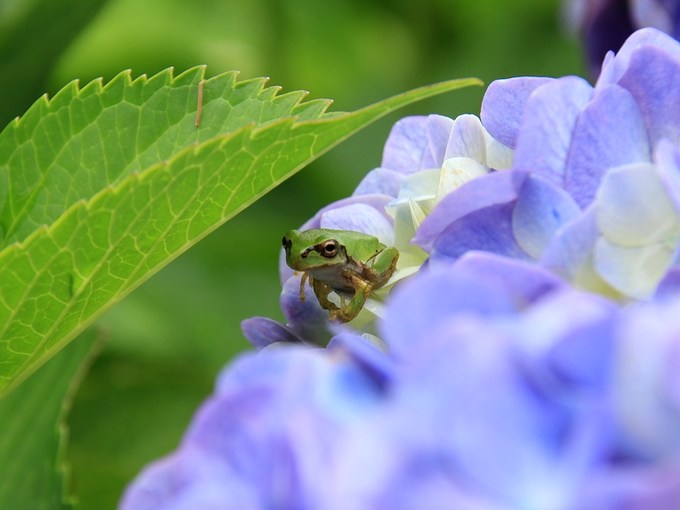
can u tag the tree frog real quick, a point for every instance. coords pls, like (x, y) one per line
(343, 261)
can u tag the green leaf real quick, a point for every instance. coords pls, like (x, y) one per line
(102, 186)
(33, 435)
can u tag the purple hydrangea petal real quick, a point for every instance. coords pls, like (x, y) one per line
(667, 158)
(276, 417)
(503, 106)
(643, 487)
(405, 145)
(381, 181)
(644, 383)
(419, 305)
(569, 349)
(190, 479)
(360, 218)
(524, 282)
(438, 135)
(538, 434)
(492, 189)
(669, 286)
(489, 229)
(616, 67)
(307, 319)
(548, 125)
(263, 331)
(372, 360)
(571, 247)
(653, 78)
(541, 209)
(609, 132)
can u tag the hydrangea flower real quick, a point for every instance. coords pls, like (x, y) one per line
(605, 24)
(500, 381)
(593, 188)
(490, 398)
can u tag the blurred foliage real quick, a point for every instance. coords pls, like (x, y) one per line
(34, 476)
(169, 339)
(33, 34)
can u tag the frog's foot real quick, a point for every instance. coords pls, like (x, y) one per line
(352, 308)
(305, 277)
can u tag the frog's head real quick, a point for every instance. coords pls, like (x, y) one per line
(313, 249)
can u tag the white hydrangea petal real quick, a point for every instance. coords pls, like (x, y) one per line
(420, 185)
(408, 215)
(498, 155)
(467, 139)
(633, 207)
(635, 271)
(456, 172)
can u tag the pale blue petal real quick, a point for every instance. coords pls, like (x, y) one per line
(381, 181)
(503, 106)
(548, 125)
(406, 145)
(632, 207)
(541, 209)
(438, 134)
(609, 132)
(653, 78)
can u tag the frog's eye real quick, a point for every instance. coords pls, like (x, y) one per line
(329, 248)
(287, 243)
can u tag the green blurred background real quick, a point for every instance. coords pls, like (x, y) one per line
(168, 340)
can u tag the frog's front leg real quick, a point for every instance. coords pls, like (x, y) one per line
(322, 290)
(380, 268)
(351, 309)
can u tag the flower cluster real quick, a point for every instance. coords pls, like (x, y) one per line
(529, 354)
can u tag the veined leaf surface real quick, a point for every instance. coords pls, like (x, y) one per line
(102, 186)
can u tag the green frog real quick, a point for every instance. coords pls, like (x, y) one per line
(349, 263)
